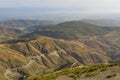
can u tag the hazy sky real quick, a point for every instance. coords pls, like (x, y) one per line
(58, 8)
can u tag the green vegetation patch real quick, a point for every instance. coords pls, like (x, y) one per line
(90, 74)
(76, 72)
(75, 76)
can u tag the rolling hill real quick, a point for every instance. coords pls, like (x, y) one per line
(104, 22)
(68, 30)
(11, 29)
(25, 23)
(7, 33)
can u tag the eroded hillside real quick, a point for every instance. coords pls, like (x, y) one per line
(67, 45)
(31, 57)
(45, 53)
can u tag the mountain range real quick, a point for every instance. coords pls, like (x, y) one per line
(104, 22)
(11, 29)
(54, 47)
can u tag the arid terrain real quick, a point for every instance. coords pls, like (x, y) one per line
(52, 48)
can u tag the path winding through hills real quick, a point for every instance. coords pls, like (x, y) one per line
(9, 70)
(6, 74)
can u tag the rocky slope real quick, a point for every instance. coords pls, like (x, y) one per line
(74, 44)
(36, 55)
(46, 53)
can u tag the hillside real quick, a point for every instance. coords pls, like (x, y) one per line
(48, 53)
(104, 22)
(61, 46)
(111, 28)
(8, 33)
(69, 30)
(24, 23)
(96, 72)
(11, 29)
(10, 58)
(25, 26)
(45, 53)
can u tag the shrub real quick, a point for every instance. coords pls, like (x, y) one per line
(103, 69)
(74, 76)
(92, 69)
(91, 74)
(110, 75)
(111, 65)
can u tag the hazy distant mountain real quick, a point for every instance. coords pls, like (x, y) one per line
(7, 32)
(68, 30)
(25, 23)
(104, 22)
(11, 29)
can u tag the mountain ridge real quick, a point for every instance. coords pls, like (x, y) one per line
(68, 30)
(21, 58)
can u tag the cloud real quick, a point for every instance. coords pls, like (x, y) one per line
(82, 7)
(57, 3)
